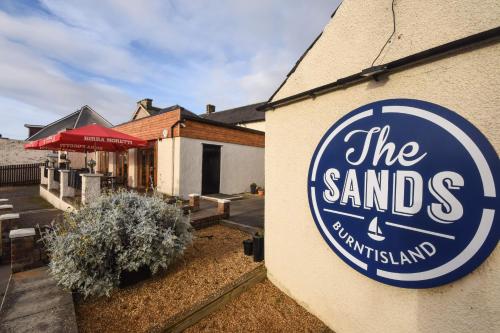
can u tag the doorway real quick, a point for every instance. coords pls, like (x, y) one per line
(122, 168)
(147, 174)
(210, 174)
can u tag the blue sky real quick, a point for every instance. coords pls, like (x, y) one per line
(57, 55)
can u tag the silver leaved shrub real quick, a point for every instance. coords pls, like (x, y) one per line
(121, 231)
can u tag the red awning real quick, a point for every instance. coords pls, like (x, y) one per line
(32, 145)
(88, 138)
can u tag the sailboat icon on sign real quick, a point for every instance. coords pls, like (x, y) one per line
(374, 231)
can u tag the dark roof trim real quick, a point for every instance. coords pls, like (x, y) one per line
(238, 115)
(293, 69)
(93, 111)
(75, 124)
(387, 68)
(251, 121)
(300, 60)
(162, 111)
(217, 123)
(33, 126)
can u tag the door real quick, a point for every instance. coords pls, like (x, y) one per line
(210, 174)
(147, 172)
(122, 167)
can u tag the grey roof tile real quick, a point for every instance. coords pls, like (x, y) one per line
(82, 117)
(239, 115)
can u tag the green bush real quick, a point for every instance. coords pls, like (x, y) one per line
(118, 232)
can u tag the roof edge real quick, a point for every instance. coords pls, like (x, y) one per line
(149, 117)
(52, 123)
(297, 63)
(218, 123)
(415, 59)
(97, 113)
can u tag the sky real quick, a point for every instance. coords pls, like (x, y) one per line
(58, 55)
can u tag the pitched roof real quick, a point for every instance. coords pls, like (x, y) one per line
(239, 115)
(84, 116)
(154, 110)
(184, 111)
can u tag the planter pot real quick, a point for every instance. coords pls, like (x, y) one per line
(261, 193)
(128, 278)
(253, 189)
(248, 247)
(258, 248)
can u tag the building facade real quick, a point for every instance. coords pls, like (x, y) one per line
(444, 53)
(81, 117)
(189, 154)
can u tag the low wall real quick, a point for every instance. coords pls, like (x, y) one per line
(54, 200)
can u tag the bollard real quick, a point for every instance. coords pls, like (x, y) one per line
(194, 202)
(7, 223)
(51, 183)
(43, 179)
(91, 187)
(22, 248)
(223, 207)
(66, 190)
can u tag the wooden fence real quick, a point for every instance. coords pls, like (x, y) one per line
(20, 174)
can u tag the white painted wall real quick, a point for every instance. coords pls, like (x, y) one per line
(240, 166)
(351, 41)
(112, 163)
(168, 151)
(132, 168)
(256, 125)
(298, 260)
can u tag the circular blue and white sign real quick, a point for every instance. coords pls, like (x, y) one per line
(405, 192)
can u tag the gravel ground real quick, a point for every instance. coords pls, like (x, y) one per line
(263, 308)
(215, 260)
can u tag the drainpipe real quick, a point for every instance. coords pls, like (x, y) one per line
(180, 121)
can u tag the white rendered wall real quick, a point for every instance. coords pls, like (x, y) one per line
(298, 260)
(256, 125)
(112, 163)
(132, 168)
(168, 151)
(240, 166)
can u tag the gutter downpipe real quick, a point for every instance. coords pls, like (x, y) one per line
(180, 121)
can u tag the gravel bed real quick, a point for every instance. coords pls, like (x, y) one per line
(263, 308)
(214, 260)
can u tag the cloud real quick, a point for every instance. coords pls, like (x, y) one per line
(32, 81)
(61, 54)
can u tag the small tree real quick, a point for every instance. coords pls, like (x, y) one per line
(121, 231)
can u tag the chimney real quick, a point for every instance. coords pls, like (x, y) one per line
(210, 108)
(146, 103)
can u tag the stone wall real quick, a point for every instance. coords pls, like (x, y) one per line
(13, 152)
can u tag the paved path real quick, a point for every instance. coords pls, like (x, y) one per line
(248, 211)
(31, 207)
(34, 303)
